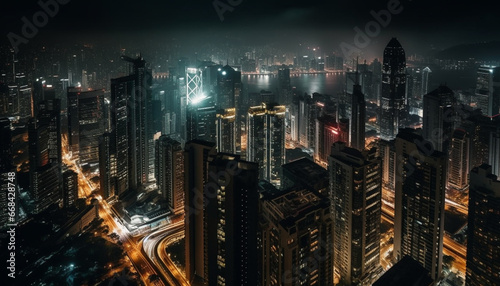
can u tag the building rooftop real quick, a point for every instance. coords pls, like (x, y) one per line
(292, 205)
(407, 272)
(305, 168)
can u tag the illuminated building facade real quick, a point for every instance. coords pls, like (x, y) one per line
(45, 176)
(419, 202)
(169, 172)
(124, 132)
(297, 239)
(221, 216)
(196, 173)
(483, 236)
(226, 130)
(458, 162)
(201, 117)
(488, 90)
(70, 188)
(193, 83)
(393, 99)
(266, 140)
(232, 220)
(85, 124)
(355, 190)
(328, 131)
(310, 108)
(387, 151)
(107, 166)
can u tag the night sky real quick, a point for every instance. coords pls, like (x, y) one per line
(421, 24)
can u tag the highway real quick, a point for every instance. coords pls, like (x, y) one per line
(85, 188)
(150, 244)
(165, 257)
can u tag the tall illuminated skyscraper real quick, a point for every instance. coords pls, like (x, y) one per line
(296, 239)
(169, 172)
(458, 163)
(393, 99)
(45, 175)
(419, 202)
(226, 130)
(193, 83)
(355, 190)
(221, 216)
(483, 234)
(140, 103)
(201, 119)
(266, 140)
(85, 124)
(195, 175)
(328, 131)
(488, 90)
(232, 220)
(107, 166)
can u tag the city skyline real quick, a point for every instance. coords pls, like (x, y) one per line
(249, 143)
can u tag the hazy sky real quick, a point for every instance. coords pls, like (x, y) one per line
(419, 24)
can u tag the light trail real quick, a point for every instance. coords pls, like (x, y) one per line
(139, 260)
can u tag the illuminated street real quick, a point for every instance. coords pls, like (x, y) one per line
(140, 261)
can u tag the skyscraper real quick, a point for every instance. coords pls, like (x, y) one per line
(169, 172)
(328, 131)
(45, 176)
(358, 118)
(488, 90)
(296, 239)
(458, 163)
(193, 84)
(221, 216)
(438, 121)
(393, 102)
(49, 114)
(284, 86)
(355, 190)
(140, 103)
(107, 166)
(226, 130)
(85, 124)
(483, 234)
(266, 140)
(195, 175)
(70, 188)
(419, 202)
(235, 220)
(494, 147)
(201, 119)
(228, 88)
(124, 133)
(310, 108)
